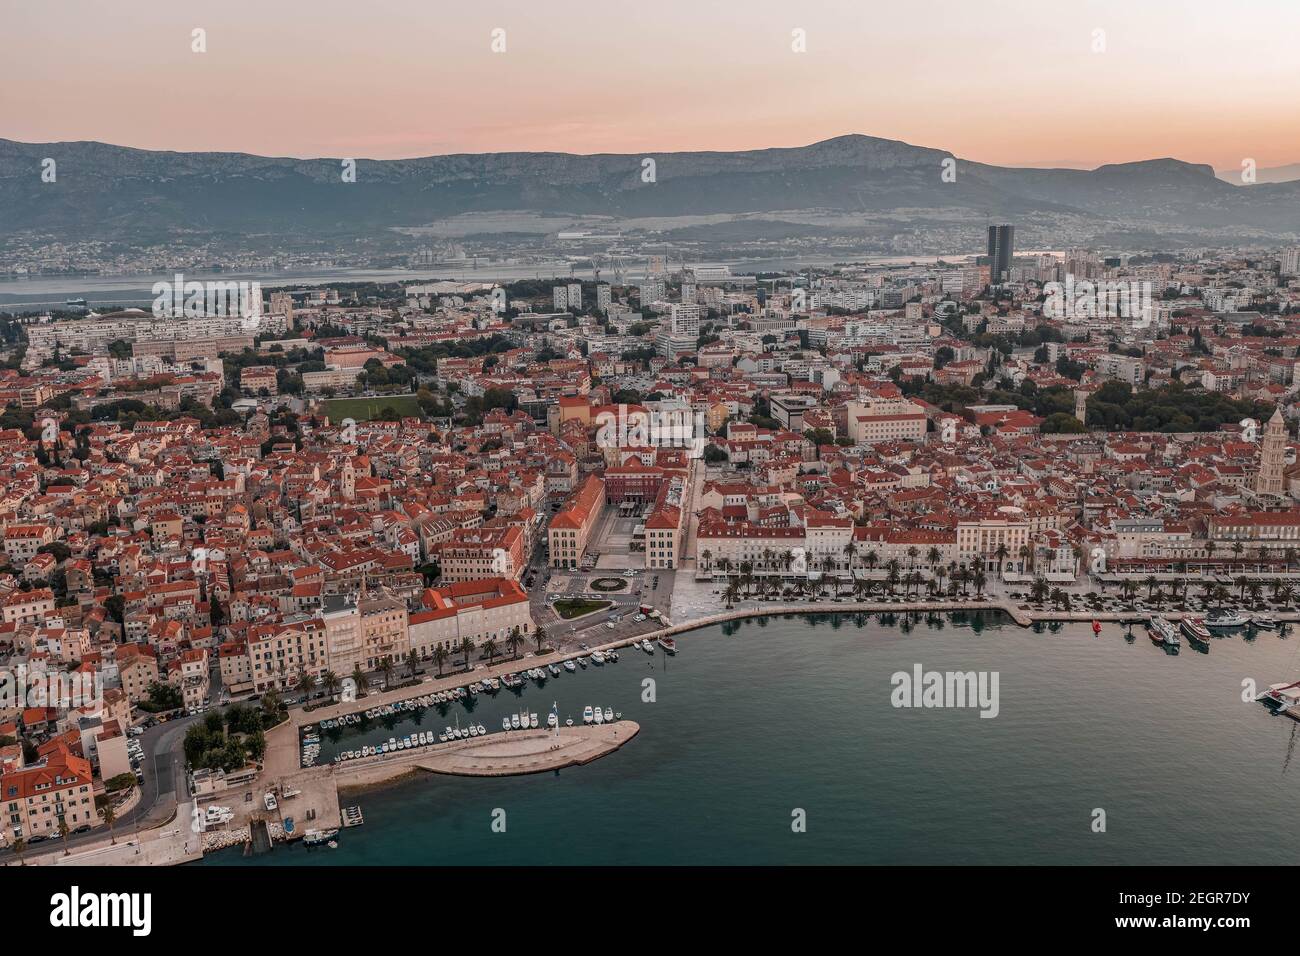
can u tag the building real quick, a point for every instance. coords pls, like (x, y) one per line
(471, 554)
(478, 611)
(1272, 456)
(571, 528)
(34, 799)
(1001, 246)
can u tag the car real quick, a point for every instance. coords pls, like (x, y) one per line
(37, 838)
(84, 828)
(610, 625)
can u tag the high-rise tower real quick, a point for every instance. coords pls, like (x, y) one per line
(1002, 240)
(1272, 456)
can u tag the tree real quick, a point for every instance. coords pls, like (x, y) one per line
(439, 657)
(490, 649)
(466, 645)
(386, 669)
(539, 635)
(514, 640)
(64, 830)
(359, 678)
(330, 680)
(110, 817)
(412, 662)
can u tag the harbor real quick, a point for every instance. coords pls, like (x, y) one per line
(1072, 700)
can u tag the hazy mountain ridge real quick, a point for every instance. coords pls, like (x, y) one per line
(105, 190)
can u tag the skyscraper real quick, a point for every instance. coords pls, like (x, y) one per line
(1002, 240)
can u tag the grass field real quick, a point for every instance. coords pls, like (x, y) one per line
(569, 608)
(364, 409)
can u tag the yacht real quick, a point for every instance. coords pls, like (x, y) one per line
(473, 730)
(514, 721)
(1195, 629)
(597, 658)
(586, 714)
(552, 721)
(647, 646)
(554, 669)
(599, 715)
(609, 715)
(1266, 621)
(1162, 632)
(570, 666)
(1222, 618)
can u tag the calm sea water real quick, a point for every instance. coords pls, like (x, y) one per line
(759, 718)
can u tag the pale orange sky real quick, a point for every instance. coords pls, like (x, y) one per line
(1003, 81)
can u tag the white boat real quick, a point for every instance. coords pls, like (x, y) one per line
(668, 644)
(392, 743)
(1162, 632)
(1196, 630)
(1266, 621)
(552, 721)
(481, 730)
(647, 646)
(532, 721)
(442, 738)
(568, 722)
(600, 715)
(1221, 618)
(609, 715)
(473, 731)
(586, 714)
(505, 723)
(570, 666)
(597, 658)
(514, 721)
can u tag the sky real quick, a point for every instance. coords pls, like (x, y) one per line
(1011, 82)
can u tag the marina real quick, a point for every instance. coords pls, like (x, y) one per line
(1072, 701)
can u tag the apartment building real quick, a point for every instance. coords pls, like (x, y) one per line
(572, 527)
(34, 799)
(480, 611)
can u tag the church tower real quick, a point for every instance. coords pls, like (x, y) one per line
(1272, 456)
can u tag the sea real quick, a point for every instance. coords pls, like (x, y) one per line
(782, 741)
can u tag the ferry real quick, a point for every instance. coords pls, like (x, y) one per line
(1195, 629)
(668, 644)
(1222, 618)
(1162, 632)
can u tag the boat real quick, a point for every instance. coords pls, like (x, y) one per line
(442, 738)
(505, 723)
(514, 721)
(316, 837)
(668, 644)
(586, 714)
(532, 721)
(609, 715)
(598, 658)
(1281, 697)
(1266, 621)
(333, 844)
(481, 730)
(582, 662)
(568, 722)
(600, 715)
(647, 646)
(570, 666)
(554, 669)
(552, 721)
(1162, 632)
(1096, 627)
(1195, 629)
(473, 730)
(1221, 618)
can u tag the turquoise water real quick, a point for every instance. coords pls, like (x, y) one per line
(757, 719)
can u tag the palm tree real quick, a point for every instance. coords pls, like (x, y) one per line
(466, 645)
(412, 662)
(19, 845)
(979, 580)
(871, 560)
(386, 668)
(933, 556)
(110, 817)
(539, 637)
(1288, 556)
(439, 657)
(490, 649)
(940, 572)
(330, 681)
(1241, 582)
(1040, 588)
(707, 555)
(359, 678)
(850, 550)
(64, 830)
(731, 593)
(514, 640)
(1026, 557)
(1001, 552)
(1151, 581)
(1285, 593)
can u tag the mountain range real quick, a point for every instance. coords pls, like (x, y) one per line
(111, 191)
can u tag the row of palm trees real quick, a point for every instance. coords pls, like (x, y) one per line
(1282, 591)
(746, 583)
(330, 682)
(772, 560)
